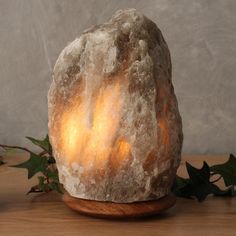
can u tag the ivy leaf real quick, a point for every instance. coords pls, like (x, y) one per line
(42, 184)
(44, 144)
(227, 170)
(179, 184)
(56, 186)
(198, 185)
(46, 184)
(198, 175)
(230, 192)
(34, 165)
(43, 162)
(53, 175)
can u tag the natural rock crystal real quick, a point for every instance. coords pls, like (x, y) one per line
(114, 122)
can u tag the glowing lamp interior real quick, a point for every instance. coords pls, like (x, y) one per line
(114, 123)
(89, 132)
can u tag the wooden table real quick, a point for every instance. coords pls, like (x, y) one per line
(46, 214)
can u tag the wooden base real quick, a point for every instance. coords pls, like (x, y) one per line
(119, 210)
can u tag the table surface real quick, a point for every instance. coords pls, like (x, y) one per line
(46, 214)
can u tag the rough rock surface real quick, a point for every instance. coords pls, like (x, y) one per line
(114, 122)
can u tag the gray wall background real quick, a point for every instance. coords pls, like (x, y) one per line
(201, 35)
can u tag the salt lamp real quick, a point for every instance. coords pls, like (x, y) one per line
(114, 122)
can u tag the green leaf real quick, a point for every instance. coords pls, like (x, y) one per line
(179, 184)
(44, 144)
(227, 170)
(230, 192)
(198, 185)
(43, 162)
(34, 165)
(198, 175)
(200, 191)
(56, 186)
(53, 175)
(42, 185)
(46, 185)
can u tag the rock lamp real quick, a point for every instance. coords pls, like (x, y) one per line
(114, 123)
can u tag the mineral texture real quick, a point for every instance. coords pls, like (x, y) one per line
(114, 123)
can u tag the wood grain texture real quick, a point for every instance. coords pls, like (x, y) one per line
(46, 214)
(113, 210)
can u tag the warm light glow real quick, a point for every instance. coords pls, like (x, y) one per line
(163, 124)
(164, 131)
(89, 131)
(120, 153)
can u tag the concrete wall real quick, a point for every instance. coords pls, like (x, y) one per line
(201, 35)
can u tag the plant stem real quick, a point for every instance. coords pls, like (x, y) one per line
(15, 147)
(216, 180)
(42, 153)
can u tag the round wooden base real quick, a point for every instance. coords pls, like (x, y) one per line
(119, 210)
